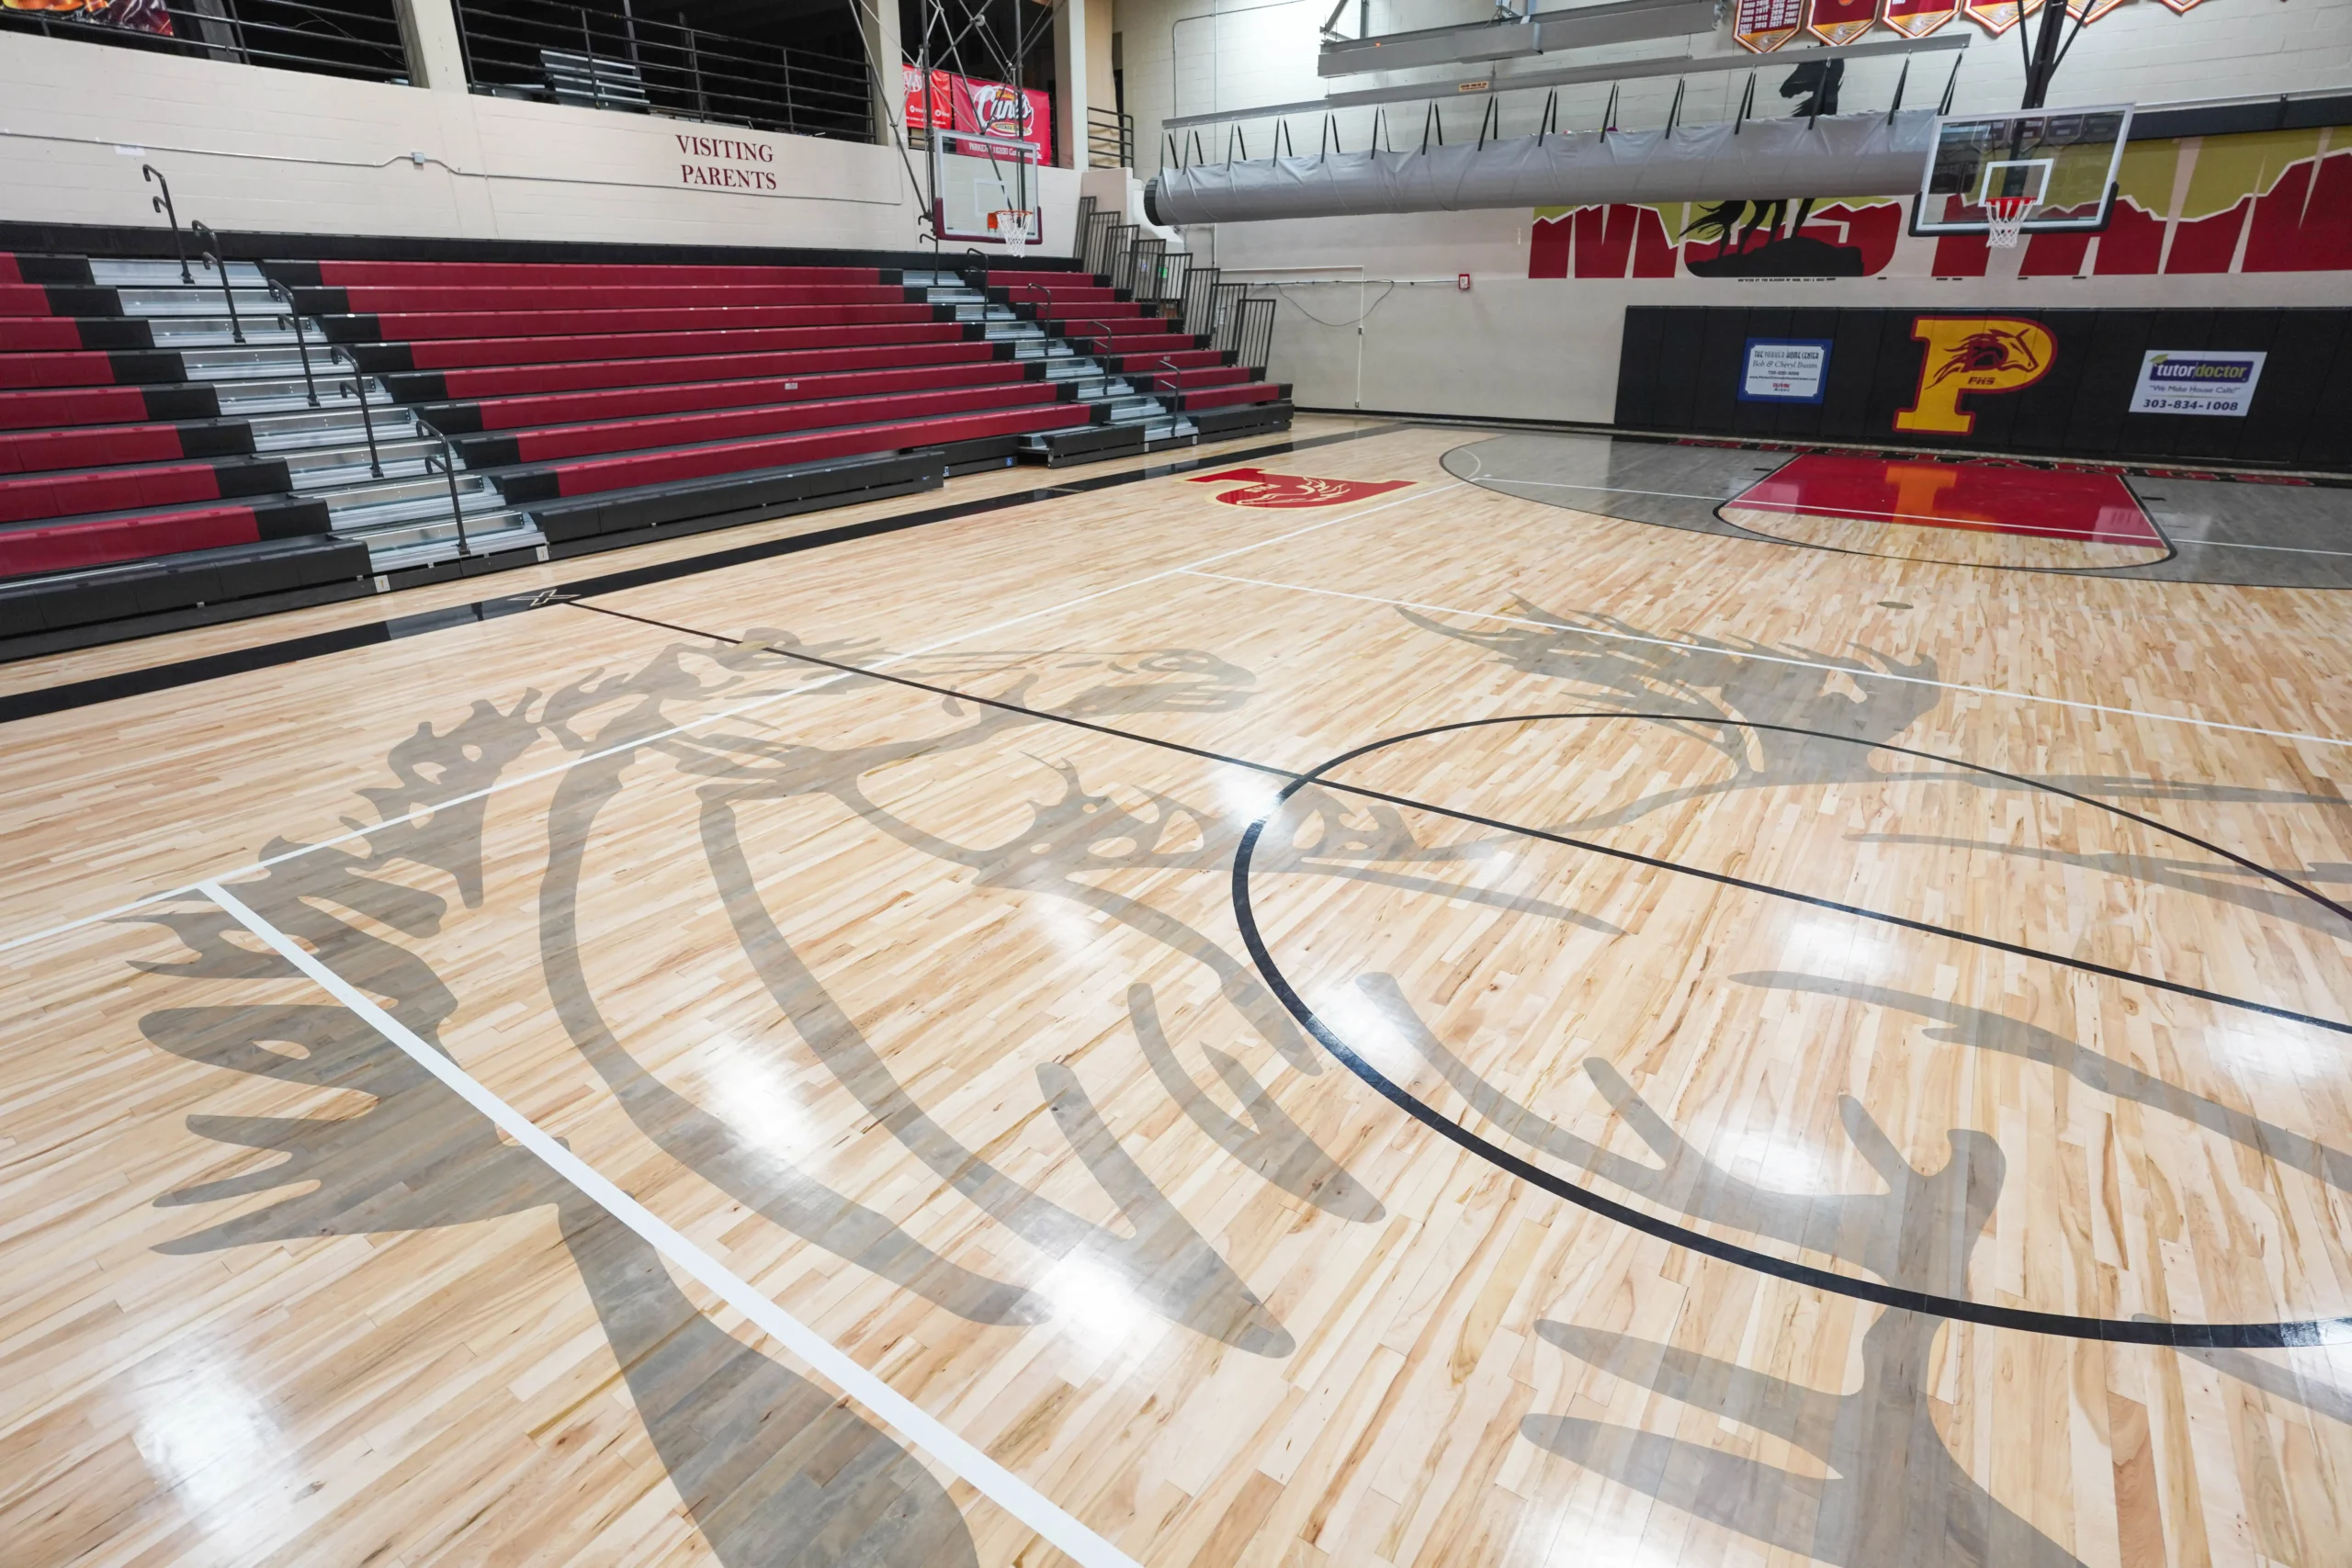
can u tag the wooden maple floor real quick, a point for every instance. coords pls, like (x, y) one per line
(1717, 1052)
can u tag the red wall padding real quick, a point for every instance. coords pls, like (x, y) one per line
(62, 546)
(735, 424)
(702, 462)
(24, 500)
(38, 451)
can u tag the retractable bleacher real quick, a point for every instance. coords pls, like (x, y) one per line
(583, 406)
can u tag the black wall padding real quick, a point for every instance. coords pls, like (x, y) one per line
(1682, 364)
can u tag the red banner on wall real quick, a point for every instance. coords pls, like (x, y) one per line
(1841, 21)
(1917, 19)
(982, 108)
(1763, 26)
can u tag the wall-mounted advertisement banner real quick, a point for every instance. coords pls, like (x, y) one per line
(1785, 370)
(2209, 381)
(994, 109)
(1917, 19)
(1763, 26)
(1841, 21)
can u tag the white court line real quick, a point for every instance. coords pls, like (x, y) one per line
(736, 712)
(1863, 673)
(999, 1485)
(1483, 478)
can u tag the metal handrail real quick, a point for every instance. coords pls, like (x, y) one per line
(301, 344)
(163, 204)
(1166, 364)
(210, 244)
(357, 387)
(1112, 132)
(448, 455)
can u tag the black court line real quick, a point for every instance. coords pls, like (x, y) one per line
(2244, 1335)
(318, 645)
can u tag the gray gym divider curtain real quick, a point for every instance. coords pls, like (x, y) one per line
(1855, 155)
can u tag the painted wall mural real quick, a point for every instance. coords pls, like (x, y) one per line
(2271, 201)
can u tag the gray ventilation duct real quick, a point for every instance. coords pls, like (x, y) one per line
(1855, 155)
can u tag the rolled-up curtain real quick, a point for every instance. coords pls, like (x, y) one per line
(1856, 154)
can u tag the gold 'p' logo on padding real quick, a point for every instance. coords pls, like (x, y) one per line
(1972, 353)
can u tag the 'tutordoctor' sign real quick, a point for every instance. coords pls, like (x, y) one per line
(2197, 381)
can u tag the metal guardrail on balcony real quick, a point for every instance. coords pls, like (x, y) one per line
(1110, 139)
(359, 38)
(683, 71)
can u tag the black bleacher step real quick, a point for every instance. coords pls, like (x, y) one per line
(65, 271)
(1243, 418)
(196, 400)
(59, 611)
(1093, 444)
(82, 300)
(599, 521)
(136, 368)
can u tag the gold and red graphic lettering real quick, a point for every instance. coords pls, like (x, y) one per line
(1972, 354)
(1763, 26)
(1255, 486)
(1917, 19)
(1841, 21)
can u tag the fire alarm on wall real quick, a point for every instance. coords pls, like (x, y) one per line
(1461, 281)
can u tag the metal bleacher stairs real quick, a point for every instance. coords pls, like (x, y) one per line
(174, 454)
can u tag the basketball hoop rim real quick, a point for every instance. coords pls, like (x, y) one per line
(2005, 219)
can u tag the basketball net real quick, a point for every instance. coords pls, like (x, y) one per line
(1013, 225)
(2005, 219)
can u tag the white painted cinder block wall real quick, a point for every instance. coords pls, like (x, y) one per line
(1201, 56)
(258, 150)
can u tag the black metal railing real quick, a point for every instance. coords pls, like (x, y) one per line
(358, 38)
(1094, 240)
(1198, 307)
(1140, 277)
(535, 49)
(1247, 328)
(1110, 139)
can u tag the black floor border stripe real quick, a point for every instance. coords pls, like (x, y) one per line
(2247, 1336)
(316, 645)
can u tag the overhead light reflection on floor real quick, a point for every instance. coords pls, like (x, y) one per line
(752, 1092)
(207, 1438)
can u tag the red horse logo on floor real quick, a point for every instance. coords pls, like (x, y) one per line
(1258, 488)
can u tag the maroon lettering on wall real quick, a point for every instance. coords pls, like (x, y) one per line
(727, 150)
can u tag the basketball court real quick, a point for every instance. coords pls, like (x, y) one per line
(1680, 897)
(1408, 994)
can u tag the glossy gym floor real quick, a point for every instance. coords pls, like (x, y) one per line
(1411, 994)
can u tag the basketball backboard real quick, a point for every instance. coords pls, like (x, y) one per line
(983, 189)
(2062, 162)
